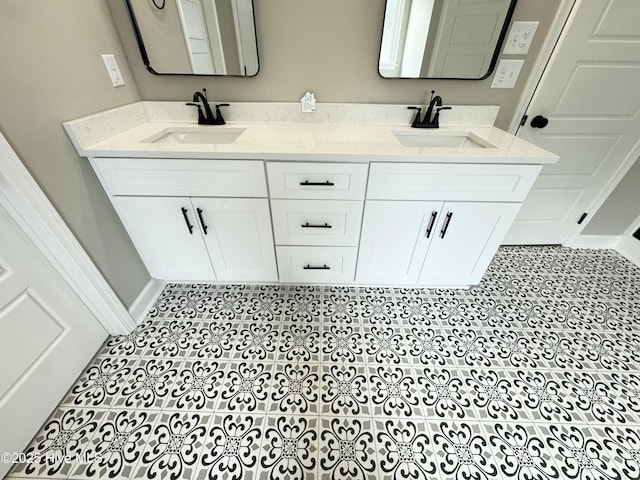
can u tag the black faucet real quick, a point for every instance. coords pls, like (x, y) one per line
(207, 117)
(430, 120)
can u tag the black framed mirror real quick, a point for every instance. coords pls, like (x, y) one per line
(196, 37)
(452, 39)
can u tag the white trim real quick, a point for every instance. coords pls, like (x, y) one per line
(595, 241)
(629, 248)
(147, 297)
(555, 31)
(30, 208)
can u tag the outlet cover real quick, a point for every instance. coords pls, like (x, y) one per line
(114, 71)
(507, 73)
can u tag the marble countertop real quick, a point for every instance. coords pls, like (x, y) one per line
(353, 133)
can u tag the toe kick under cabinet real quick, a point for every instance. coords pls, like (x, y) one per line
(377, 223)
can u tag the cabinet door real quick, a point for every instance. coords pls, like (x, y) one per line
(159, 229)
(237, 232)
(394, 242)
(466, 237)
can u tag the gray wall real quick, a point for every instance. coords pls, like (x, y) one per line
(52, 71)
(620, 209)
(331, 48)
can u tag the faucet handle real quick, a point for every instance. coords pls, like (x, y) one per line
(200, 113)
(436, 117)
(219, 119)
(416, 120)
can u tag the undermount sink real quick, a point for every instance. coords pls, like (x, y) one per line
(199, 135)
(440, 139)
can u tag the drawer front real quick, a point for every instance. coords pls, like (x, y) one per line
(317, 264)
(181, 177)
(324, 181)
(464, 182)
(316, 222)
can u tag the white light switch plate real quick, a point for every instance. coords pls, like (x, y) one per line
(114, 71)
(507, 73)
(519, 38)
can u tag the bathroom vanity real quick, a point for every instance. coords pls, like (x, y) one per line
(348, 195)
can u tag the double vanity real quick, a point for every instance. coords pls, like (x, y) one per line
(348, 195)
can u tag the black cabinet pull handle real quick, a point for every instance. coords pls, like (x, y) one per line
(431, 224)
(308, 225)
(307, 183)
(186, 219)
(204, 226)
(446, 225)
(323, 267)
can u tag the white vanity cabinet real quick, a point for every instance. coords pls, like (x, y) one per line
(437, 224)
(217, 235)
(317, 212)
(346, 197)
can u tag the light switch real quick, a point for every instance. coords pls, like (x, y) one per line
(507, 73)
(519, 38)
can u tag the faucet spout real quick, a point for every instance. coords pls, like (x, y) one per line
(205, 114)
(434, 102)
(431, 117)
(202, 97)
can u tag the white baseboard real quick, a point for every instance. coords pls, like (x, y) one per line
(625, 245)
(595, 241)
(147, 297)
(629, 248)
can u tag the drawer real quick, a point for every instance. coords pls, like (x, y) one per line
(317, 264)
(324, 181)
(317, 222)
(181, 177)
(465, 182)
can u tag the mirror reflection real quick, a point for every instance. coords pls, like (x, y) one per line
(197, 37)
(457, 39)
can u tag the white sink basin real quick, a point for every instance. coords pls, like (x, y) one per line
(200, 135)
(440, 139)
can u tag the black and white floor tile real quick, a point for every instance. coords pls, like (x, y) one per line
(533, 374)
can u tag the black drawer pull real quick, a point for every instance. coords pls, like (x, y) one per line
(186, 219)
(443, 232)
(307, 183)
(431, 224)
(308, 225)
(204, 226)
(323, 267)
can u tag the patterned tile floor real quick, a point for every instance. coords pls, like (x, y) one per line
(533, 374)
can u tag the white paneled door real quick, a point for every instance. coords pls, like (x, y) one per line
(586, 109)
(47, 336)
(466, 37)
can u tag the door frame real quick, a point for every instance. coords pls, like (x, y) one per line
(27, 204)
(561, 20)
(566, 13)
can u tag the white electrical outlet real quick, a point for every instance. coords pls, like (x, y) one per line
(114, 71)
(519, 38)
(507, 73)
